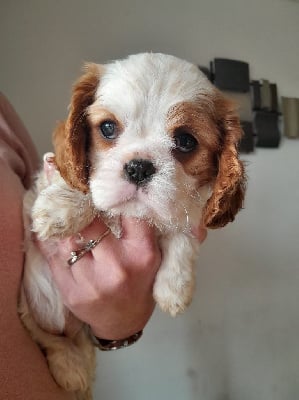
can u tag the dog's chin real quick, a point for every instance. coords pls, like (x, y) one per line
(132, 208)
(133, 202)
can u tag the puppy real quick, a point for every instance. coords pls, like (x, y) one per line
(147, 137)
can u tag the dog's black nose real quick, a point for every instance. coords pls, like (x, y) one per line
(139, 171)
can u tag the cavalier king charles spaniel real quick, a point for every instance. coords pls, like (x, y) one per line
(148, 137)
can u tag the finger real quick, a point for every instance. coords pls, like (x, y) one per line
(58, 261)
(69, 276)
(200, 233)
(94, 230)
(133, 228)
(54, 249)
(49, 165)
(58, 253)
(107, 244)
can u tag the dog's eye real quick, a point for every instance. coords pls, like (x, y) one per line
(108, 129)
(185, 142)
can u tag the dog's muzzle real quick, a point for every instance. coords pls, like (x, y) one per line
(139, 171)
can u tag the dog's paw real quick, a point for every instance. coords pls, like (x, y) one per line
(58, 215)
(68, 370)
(87, 395)
(173, 298)
(44, 226)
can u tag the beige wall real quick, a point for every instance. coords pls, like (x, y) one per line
(44, 43)
(239, 340)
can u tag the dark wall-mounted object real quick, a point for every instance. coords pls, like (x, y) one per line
(206, 71)
(256, 95)
(290, 107)
(231, 74)
(274, 98)
(257, 103)
(247, 142)
(266, 128)
(264, 96)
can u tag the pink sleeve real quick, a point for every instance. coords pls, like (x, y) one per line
(17, 149)
(23, 369)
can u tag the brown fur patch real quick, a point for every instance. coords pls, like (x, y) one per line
(216, 127)
(229, 188)
(71, 137)
(194, 118)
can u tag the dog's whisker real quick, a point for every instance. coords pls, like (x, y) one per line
(187, 225)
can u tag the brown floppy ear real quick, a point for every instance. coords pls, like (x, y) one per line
(70, 138)
(229, 188)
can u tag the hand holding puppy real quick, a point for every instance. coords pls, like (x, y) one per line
(111, 287)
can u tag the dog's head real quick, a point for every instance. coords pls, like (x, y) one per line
(149, 136)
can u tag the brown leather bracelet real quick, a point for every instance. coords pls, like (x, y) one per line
(108, 345)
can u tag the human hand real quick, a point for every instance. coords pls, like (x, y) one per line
(200, 233)
(110, 288)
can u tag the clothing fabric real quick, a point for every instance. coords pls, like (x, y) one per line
(24, 373)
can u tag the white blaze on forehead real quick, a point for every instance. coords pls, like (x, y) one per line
(145, 86)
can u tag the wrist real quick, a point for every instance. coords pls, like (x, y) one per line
(116, 328)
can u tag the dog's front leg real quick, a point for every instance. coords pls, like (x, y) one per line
(175, 281)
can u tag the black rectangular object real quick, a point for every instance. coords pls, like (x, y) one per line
(256, 95)
(274, 100)
(206, 71)
(231, 75)
(266, 128)
(246, 144)
(265, 95)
